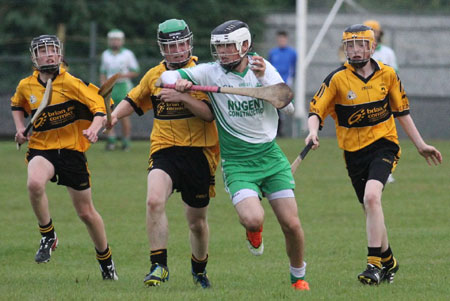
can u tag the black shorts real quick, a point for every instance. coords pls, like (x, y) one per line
(70, 167)
(374, 162)
(189, 170)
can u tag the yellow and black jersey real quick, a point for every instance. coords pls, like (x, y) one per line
(173, 124)
(74, 104)
(363, 108)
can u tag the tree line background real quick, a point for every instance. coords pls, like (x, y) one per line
(24, 19)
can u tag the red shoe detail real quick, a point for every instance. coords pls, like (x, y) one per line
(301, 285)
(255, 238)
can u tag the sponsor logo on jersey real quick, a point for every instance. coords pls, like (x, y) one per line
(33, 99)
(362, 115)
(351, 95)
(245, 108)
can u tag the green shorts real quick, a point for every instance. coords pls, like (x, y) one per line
(119, 92)
(266, 174)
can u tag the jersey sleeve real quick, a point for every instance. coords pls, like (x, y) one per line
(271, 75)
(322, 103)
(397, 97)
(87, 93)
(19, 102)
(140, 96)
(197, 74)
(134, 65)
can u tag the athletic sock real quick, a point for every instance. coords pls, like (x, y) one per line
(47, 230)
(374, 256)
(105, 257)
(387, 257)
(198, 266)
(159, 256)
(112, 139)
(297, 273)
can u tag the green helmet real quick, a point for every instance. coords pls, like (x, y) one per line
(175, 41)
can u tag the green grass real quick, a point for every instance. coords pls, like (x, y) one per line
(416, 210)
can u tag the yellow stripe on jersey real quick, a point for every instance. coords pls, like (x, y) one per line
(74, 104)
(363, 109)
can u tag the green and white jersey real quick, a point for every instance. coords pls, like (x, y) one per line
(123, 61)
(247, 126)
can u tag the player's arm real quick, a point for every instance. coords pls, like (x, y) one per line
(123, 109)
(430, 153)
(198, 108)
(91, 133)
(102, 78)
(319, 108)
(19, 122)
(313, 127)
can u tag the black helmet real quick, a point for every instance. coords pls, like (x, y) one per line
(45, 41)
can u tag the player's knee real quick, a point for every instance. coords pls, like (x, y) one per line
(198, 226)
(252, 223)
(291, 225)
(155, 204)
(35, 186)
(371, 200)
(88, 215)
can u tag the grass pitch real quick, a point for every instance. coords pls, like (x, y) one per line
(416, 211)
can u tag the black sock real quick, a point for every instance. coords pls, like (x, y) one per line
(374, 256)
(387, 257)
(159, 256)
(47, 230)
(198, 266)
(105, 257)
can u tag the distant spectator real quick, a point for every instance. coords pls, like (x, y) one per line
(284, 59)
(382, 52)
(119, 59)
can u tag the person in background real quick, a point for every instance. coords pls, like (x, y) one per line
(57, 146)
(284, 59)
(382, 53)
(118, 59)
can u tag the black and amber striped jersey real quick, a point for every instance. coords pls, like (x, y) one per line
(173, 124)
(363, 108)
(74, 104)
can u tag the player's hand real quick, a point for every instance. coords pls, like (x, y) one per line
(183, 85)
(90, 135)
(20, 138)
(257, 65)
(170, 95)
(314, 138)
(431, 154)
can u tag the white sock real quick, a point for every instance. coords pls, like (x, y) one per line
(298, 272)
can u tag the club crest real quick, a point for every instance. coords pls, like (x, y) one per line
(33, 99)
(351, 95)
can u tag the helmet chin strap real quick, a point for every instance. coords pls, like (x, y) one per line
(49, 69)
(358, 64)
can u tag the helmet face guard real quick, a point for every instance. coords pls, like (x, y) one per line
(358, 39)
(45, 46)
(227, 41)
(175, 41)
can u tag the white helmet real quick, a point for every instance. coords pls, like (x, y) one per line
(116, 34)
(232, 32)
